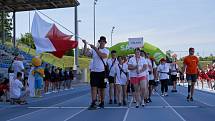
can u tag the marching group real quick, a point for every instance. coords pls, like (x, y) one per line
(138, 73)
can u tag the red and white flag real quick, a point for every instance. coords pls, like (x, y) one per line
(48, 38)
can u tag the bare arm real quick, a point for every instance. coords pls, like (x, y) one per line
(100, 54)
(131, 67)
(155, 73)
(85, 52)
(144, 67)
(184, 67)
(85, 47)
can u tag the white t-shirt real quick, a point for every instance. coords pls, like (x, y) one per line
(112, 70)
(18, 66)
(15, 88)
(97, 64)
(173, 68)
(151, 76)
(163, 69)
(140, 61)
(121, 78)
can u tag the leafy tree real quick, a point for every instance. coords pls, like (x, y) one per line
(7, 26)
(27, 40)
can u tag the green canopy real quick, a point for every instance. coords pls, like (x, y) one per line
(123, 50)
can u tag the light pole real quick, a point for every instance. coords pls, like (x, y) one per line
(75, 66)
(94, 22)
(112, 34)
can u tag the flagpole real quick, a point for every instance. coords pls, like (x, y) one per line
(76, 39)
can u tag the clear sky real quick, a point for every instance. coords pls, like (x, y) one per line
(167, 24)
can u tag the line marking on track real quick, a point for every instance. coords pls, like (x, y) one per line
(42, 99)
(172, 108)
(149, 107)
(75, 114)
(45, 109)
(127, 111)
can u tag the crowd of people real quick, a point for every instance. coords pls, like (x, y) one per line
(138, 75)
(33, 81)
(207, 74)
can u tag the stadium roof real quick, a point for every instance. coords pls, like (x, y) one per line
(27, 5)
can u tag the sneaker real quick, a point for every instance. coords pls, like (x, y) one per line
(162, 94)
(143, 103)
(110, 101)
(115, 102)
(120, 104)
(47, 92)
(101, 105)
(124, 103)
(165, 94)
(149, 99)
(23, 102)
(92, 107)
(137, 105)
(191, 98)
(134, 101)
(188, 97)
(172, 90)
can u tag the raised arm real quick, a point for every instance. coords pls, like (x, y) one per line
(100, 54)
(85, 51)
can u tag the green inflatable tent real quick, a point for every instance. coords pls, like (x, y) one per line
(123, 50)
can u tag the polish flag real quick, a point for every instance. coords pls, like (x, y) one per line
(48, 38)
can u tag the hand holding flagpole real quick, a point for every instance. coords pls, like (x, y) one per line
(86, 43)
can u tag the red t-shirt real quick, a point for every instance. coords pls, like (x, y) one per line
(191, 62)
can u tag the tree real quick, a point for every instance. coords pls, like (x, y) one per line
(7, 26)
(27, 40)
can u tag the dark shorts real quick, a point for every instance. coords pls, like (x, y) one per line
(111, 79)
(152, 82)
(173, 77)
(191, 77)
(97, 79)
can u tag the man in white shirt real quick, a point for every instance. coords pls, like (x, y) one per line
(18, 66)
(97, 81)
(16, 88)
(112, 62)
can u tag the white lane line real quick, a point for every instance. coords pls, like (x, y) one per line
(45, 109)
(75, 114)
(209, 105)
(42, 99)
(149, 107)
(172, 108)
(128, 109)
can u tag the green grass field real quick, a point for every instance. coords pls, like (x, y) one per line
(66, 61)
